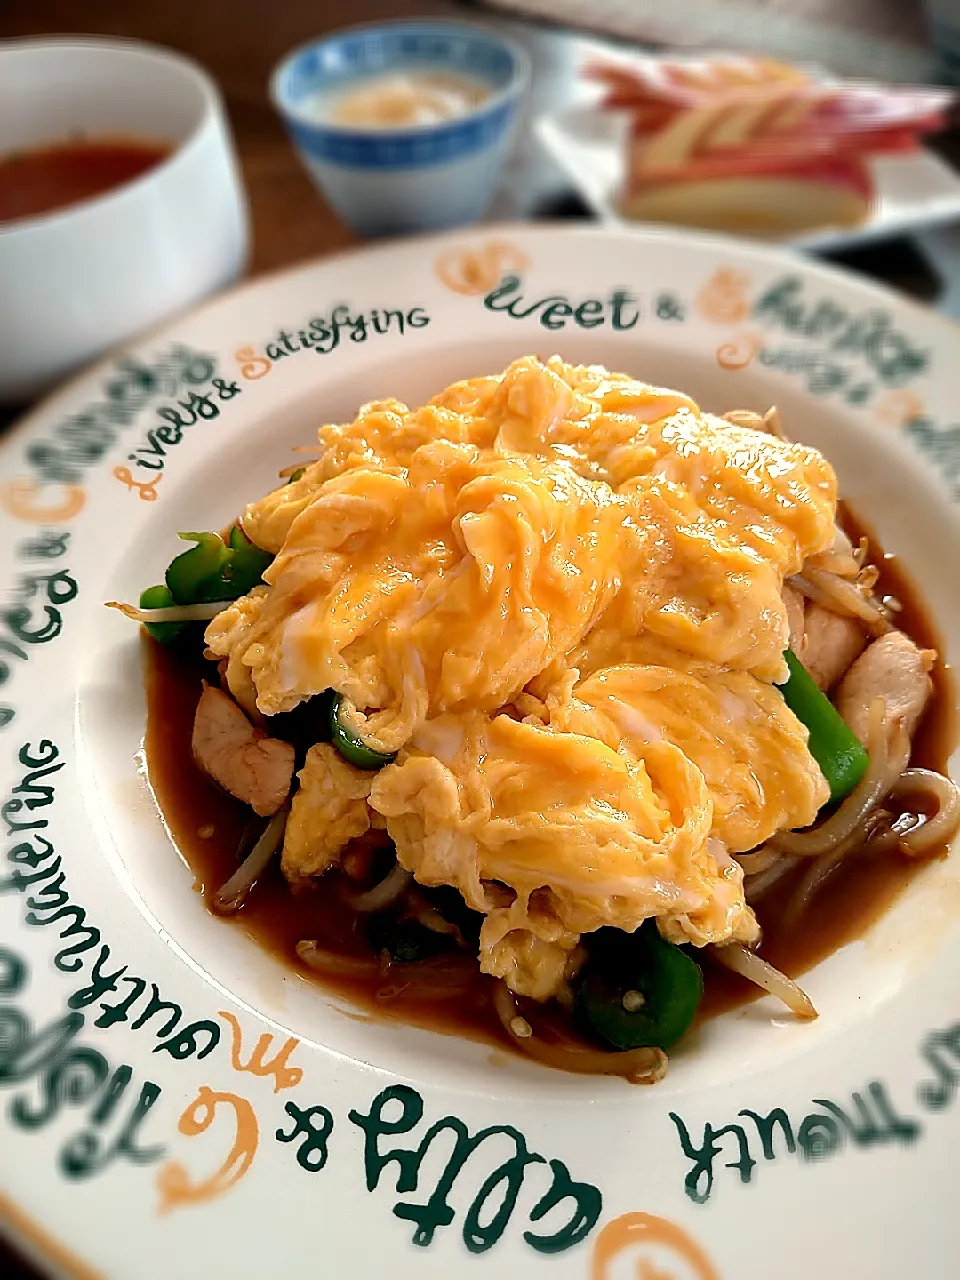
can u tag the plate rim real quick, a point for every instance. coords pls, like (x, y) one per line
(549, 228)
(719, 245)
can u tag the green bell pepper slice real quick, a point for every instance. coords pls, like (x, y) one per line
(159, 597)
(245, 567)
(189, 573)
(216, 570)
(834, 746)
(353, 749)
(662, 986)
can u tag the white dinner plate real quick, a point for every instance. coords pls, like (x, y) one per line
(178, 1103)
(913, 190)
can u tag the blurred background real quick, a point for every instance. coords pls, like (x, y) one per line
(240, 42)
(915, 247)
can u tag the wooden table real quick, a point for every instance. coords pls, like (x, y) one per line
(240, 41)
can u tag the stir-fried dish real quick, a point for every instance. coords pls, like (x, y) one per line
(538, 690)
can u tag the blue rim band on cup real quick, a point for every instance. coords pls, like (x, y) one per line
(415, 177)
(359, 53)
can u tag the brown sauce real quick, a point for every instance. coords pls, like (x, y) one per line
(44, 179)
(863, 888)
(209, 825)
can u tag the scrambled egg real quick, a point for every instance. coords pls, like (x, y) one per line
(556, 593)
(330, 808)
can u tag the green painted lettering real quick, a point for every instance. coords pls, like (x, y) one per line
(863, 332)
(37, 797)
(492, 1208)
(186, 1043)
(19, 620)
(175, 419)
(320, 332)
(100, 983)
(53, 890)
(45, 546)
(48, 752)
(781, 304)
(200, 406)
(941, 1052)
(819, 1136)
(589, 314)
(113, 1013)
(70, 1080)
(7, 646)
(436, 1212)
(89, 937)
(620, 299)
(556, 314)
(669, 307)
(765, 1128)
(192, 367)
(20, 881)
(27, 854)
(23, 1053)
(156, 1005)
(111, 1095)
(494, 300)
(167, 436)
(13, 806)
(13, 972)
(872, 1120)
(587, 1207)
(825, 317)
(312, 1150)
(53, 465)
(88, 1153)
(375, 1126)
(698, 1182)
(59, 588)
(226, 389)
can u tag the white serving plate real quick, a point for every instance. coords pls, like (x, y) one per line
(141, 1140)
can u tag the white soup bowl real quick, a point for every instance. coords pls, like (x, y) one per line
(78, 280)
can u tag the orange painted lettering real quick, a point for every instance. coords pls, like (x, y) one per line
(284, 1076)
(173, 1179)
(23, 499)
(651, 1242)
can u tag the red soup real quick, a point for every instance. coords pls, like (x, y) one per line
(43, 179)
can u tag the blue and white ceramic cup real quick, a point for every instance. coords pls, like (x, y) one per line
(416, 178)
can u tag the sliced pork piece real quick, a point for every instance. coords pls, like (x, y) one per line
(831, 642)
(243, 760)
(793, 602)
(891, 668)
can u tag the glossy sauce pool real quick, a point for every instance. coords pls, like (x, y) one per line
(44, 179)
(208, 826)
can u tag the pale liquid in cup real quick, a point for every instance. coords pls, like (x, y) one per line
(401, 100)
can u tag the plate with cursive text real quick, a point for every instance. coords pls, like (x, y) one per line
(182, 1097)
